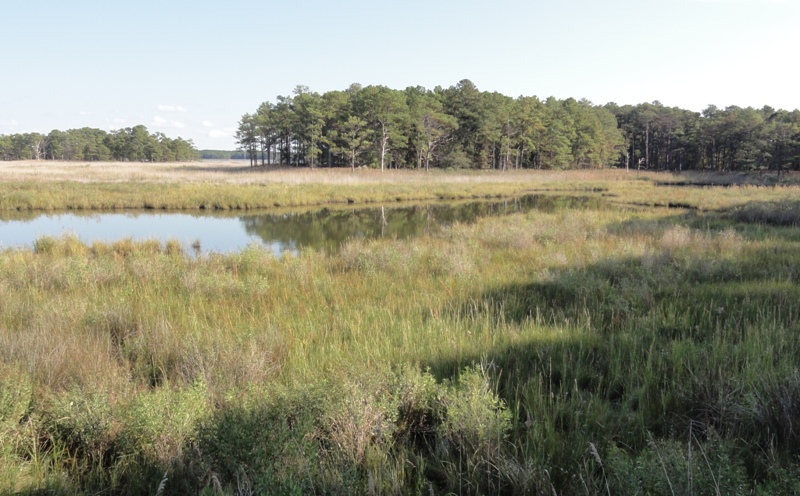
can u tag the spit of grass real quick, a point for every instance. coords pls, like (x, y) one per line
(193, 196)
(579, 351)
(253, 188)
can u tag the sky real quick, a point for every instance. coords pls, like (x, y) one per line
(192, 68)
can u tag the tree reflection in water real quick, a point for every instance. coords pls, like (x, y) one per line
(328, 229)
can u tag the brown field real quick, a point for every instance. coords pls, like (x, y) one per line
(239, 172)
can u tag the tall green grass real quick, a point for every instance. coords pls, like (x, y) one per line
(571, 352)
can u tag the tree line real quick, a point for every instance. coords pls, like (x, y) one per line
(458, 127)
(463, 127)
(734, 138)
(128, 144)
(223, 154)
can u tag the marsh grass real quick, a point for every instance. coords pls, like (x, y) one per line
(571, 351)
(31, 186)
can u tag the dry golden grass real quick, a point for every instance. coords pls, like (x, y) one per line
(239, 172)
(222, 185)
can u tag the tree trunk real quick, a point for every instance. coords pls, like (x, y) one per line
(384, 142)
(627, 160)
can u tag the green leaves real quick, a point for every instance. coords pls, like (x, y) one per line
(386, 111)
(464, 126)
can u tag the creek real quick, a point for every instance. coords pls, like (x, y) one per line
(279, 230)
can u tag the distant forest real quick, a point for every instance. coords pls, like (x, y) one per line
(129, 144)
(223, 154)
(462, 127)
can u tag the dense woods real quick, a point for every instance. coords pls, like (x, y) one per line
(463, 127)
(457, 127)
(131, 144)
(734, 138)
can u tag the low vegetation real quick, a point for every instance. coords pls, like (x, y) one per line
(227, 185)
(616, 351)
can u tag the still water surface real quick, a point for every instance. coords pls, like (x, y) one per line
(325, 229)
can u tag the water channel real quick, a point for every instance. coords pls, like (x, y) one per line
(280, 231)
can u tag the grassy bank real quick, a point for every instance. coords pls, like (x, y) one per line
(34, 186)
(578, 351)
(192, 196)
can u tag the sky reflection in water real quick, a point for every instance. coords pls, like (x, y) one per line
(325, 229)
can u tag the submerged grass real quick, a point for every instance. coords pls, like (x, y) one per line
(577, 351)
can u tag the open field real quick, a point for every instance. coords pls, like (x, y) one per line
(238, 172)
(614, 351)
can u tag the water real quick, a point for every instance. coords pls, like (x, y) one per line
(324, 229)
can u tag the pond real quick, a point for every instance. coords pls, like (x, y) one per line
(280, 231)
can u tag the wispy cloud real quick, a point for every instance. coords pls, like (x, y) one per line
(84, 112)
(171, 108)
(207, 124)
(160, 122)
(9, 123)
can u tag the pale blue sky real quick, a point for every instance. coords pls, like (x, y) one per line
(192, 68)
